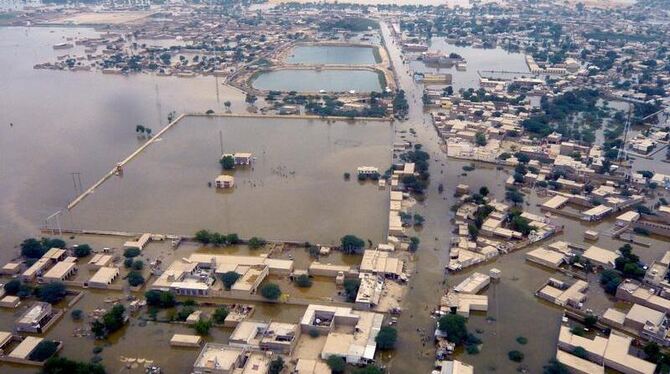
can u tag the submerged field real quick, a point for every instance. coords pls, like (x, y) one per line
(295, 190)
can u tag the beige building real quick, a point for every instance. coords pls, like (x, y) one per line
(350, 334)
(104, 277)
(224, 359)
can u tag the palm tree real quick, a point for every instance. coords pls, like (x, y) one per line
(148, 131)
(139, 129)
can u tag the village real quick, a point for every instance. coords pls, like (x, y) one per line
(382, 201)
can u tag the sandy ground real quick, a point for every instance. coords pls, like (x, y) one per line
(112, 18)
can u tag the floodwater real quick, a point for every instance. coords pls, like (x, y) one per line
(345, 55)
(54, 123)
(477, 59)
(317, 80)
(295, 189)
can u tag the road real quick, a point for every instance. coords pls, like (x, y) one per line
(415, 350)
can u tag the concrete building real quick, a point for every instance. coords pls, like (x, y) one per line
(560, 293)
(195, 275)
(181, 340)
(369, 291)
(104, 277)
(636, 293)
(382, 263)
(463, 303)
(455, 367)
(60, 272)
(140, 242)
(277, 337)
(639, 316)
(600, 257)
(596, 213)
(618, 357)
(224, 181)
(25, 348)
(217, 358)
(100, 260)
(36, 270)
(35, 318)
(11, 268)
(473, 284)
(10, 302)
(612, 352)
(351, 334)
(578, 365)
(546, 257)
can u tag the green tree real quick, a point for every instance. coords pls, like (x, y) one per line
(386, 338)
(203, 236)
(227, 162)
(480, 139)
(232, 238)
(138, 265)
(52, 292)
(77, 314)
(418, 219)
(13, 287)
(414, 243)
(62, 365)
(131, 252)
(256, 242)
(369, 369)
(276, 365)
(454, 326)
(49, 243)
(135, 278)
(555, 367)
(303, 281)
(82, 250)
(484, 191)
(229, 278)
(351, 244)
(32, 248)
(220, 314)
(610, 281)
(163, 299)
(580, 352)
(271, 291)
(652, 351)
(336, 364)
(202, 327)
(515, 356)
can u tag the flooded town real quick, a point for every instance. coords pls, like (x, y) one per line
(359, 187)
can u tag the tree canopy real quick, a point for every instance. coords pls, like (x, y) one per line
(271, 291)
(351, 244)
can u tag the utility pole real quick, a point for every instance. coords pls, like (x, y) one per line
(221, 141)
(76, 181)
(622, 150)
(55, 215)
